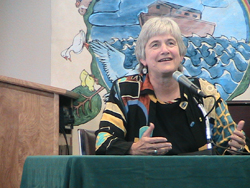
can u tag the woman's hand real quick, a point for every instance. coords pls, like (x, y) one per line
(150, 145)
(238, 139)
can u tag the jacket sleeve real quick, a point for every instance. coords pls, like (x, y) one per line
(221, 122)
(112, 129)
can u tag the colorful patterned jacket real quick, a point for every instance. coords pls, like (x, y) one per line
(131, 106)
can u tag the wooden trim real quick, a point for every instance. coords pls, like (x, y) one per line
(240, 102)
(39, 87)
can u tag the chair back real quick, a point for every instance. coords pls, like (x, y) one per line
(86, 140)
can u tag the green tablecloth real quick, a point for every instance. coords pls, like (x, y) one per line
(136, 171)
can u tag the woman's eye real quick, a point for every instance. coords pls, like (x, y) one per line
(171, 43)
(154, 45)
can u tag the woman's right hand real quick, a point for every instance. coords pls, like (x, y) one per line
(148, 145)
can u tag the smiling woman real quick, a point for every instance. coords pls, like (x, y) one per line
(152, 114)
(160, 49)
(155, 27)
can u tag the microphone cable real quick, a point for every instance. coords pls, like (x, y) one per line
(229, 149)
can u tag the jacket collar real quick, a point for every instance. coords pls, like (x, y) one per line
(147, 88)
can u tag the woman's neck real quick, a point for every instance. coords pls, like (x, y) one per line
(165, 88)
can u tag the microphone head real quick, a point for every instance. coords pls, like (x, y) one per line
(176, 75)
(179, 77)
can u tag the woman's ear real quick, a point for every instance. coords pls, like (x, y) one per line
(143, 62)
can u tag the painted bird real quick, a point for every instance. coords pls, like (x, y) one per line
(77, 46)
(113, 60)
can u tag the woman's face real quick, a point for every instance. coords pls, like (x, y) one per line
(162, 55)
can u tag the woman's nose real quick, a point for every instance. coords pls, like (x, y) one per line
(164, 49)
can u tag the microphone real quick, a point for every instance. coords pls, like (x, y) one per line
(179, 77)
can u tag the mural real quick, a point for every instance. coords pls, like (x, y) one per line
(216, 33)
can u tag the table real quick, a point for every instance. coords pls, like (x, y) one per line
(136, 171)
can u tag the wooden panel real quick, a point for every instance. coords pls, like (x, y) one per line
(29, 126)
(240, 110)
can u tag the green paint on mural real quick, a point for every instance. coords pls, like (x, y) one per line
(242, 87)
(87, 106)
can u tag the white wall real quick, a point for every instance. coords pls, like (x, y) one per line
(25, 39)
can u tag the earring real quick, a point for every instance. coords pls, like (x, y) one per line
(144, 70)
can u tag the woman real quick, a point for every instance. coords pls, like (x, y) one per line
(152, 113)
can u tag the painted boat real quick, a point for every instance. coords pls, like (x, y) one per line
(188, 19)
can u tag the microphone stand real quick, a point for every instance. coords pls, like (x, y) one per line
(208, 129)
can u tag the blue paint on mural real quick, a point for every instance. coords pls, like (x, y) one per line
(221, 57)
(215, 33)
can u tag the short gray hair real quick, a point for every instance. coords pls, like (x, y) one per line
(158, 26)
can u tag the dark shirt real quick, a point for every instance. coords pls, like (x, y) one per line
(171, 122)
